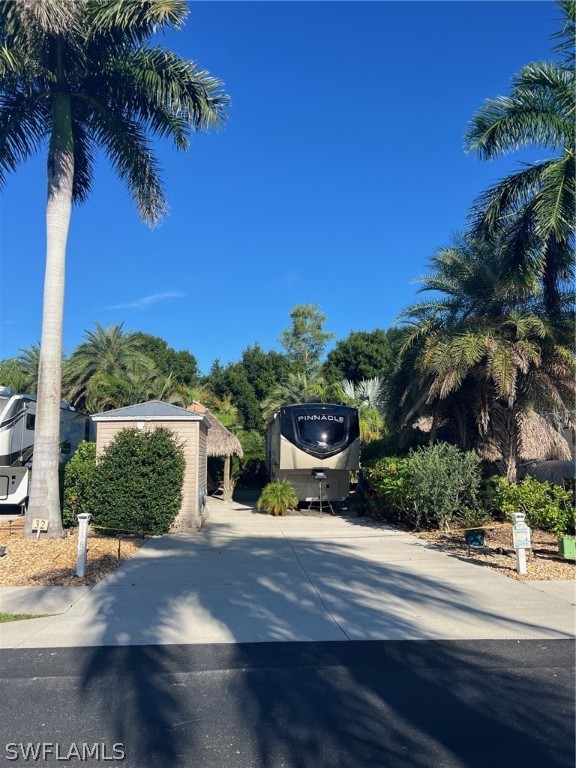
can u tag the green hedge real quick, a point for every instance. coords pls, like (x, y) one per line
(547, 506)
(79, 475)
(138, 482)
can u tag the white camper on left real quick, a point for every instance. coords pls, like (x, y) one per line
(17, 422)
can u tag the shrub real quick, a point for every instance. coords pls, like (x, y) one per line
(547, 506)
(79, 483)
(278, 497)
(427, 488)
(396, 444)
(138, 481)
(386, 480)
(442, 482)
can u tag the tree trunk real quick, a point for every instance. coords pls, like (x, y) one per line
(44, 500)
(227, 481)
(508, 434)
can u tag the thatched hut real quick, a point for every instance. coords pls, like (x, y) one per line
(221, 443)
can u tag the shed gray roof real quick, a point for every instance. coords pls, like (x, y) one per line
(154, 410)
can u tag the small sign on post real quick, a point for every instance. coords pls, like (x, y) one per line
(521, 541)
(83, 520)
(40, 526)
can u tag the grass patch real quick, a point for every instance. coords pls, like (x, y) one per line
(4, 617)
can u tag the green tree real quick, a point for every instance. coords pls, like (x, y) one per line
(482, 347)
(264, 370)
(368, 397)
(296, 388)
(534, 207)
(233, 381)
(12, 375)
(305, 339)
(21, 372)
(106, 352)
(362, 355)
(182, 366)
(106, 391)
(81, 76)
(29, 361)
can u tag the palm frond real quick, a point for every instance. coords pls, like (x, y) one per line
(567, 33)
(24, 124)
(133, 21)
(129, 152)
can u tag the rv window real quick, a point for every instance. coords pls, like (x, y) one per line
(30, 420)
(322, 434)
(66, 448)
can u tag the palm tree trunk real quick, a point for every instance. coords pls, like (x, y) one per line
(508, 437)
(44, 500)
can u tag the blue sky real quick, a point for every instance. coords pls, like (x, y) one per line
(339, 172)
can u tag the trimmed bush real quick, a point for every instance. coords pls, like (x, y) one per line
(138, 482)
(79, 475)
(546, 505)
(278, 497)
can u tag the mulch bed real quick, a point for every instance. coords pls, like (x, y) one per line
(543, 561)
(52, 562)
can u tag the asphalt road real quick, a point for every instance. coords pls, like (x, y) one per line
(402, 704)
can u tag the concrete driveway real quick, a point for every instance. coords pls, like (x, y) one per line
(250, 577)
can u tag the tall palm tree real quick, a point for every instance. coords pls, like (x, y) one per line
(534, 207)
(484, 351)
(81, 76)
(106, 351)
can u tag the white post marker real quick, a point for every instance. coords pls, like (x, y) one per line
(83, 520)
(521, 540)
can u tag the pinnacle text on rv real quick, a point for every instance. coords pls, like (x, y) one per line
(321, 417)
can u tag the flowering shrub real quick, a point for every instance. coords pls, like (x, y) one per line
(386, 480)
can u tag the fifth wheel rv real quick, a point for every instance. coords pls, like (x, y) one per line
(17, 421)
(309, 440)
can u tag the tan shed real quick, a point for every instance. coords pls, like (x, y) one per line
(191, 429)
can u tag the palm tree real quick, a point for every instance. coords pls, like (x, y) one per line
(368, 397)
(535, 206)
(29, 361)
(484, 352)
(295, 389)
(106, 391)
(81, 76)
(112, 352)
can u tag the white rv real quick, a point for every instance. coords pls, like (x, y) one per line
(17, 421)
(309, 441)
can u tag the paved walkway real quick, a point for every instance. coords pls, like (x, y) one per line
(250, 577)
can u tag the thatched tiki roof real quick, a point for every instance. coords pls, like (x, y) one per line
(221, 443)
(541, 441)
